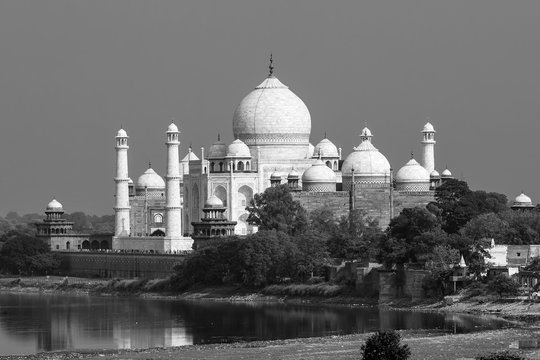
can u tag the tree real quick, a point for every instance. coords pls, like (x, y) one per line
(453, 198)
(440, 262)
(323, 222)
(486, 226)
(502, 284)
(26, 255)
(459, 204)
(410, 237)
(264, 257)
(275, 209)
(356, 237)
(385, 345)
(313, 253)
(523, 227)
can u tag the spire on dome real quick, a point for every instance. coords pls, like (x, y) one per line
(366, 135)
(218, 137)
(149, 164)
(271, 67)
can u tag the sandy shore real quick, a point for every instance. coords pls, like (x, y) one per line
(423, 346)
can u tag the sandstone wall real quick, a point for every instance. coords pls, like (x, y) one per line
(336, 201)
(121, 265)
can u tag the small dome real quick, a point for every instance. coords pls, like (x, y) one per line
(213, 202)
(319, 178)
(293, 174)
(522, 200)
(367, 162)
(326, 149)
(150, 180)
(319, 172)
(412, 177)
(238, 149)
(412, 171)
(428, 128)
(218, 150)
(275, 176)
(54, 205)
(446, 174)
(172, 128)
(121, 133)
(434, 174)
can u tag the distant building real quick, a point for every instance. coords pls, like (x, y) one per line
(272, 129)
(58, 233)
(522, 202)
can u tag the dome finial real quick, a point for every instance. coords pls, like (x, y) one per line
(149, 164)
(218, 137)
(325, 135)
(271, 66)
(412, 154)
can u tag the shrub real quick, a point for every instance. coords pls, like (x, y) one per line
(318, 290)
(503, 355)
(502, 284)
(385, 345)
(475, 289)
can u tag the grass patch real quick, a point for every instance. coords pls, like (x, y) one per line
(304, 290)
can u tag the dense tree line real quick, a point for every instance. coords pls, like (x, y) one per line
(83, 223)
(289, 246)
(22, 254)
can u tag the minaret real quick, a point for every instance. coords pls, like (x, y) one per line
(173, 210)
(121, 209)
(428, 148)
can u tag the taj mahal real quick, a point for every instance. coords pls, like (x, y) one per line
(206, 197)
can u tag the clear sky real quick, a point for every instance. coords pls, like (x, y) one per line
(72, 72)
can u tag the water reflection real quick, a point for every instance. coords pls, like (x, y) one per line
(33, 323)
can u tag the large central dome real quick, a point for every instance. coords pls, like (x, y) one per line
(273, 115)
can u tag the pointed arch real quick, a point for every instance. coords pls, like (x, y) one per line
(245, 195)
(221, 193)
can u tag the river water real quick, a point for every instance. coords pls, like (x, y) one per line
(31, 323)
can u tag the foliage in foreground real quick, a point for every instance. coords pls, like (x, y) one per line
(503, 355)
(385, 345)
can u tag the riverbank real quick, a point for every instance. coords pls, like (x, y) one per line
(424, 345)
(515, 308)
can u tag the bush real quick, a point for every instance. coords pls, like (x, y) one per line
(475, 289)
(502, 284)
(318, 290)
(503, 355)
(385, 345)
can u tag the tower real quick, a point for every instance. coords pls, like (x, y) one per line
(173, 210)
(214, 225)
(121, 209)
(428, 147)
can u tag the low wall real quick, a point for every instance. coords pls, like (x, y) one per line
(401, 284)
(119, 265)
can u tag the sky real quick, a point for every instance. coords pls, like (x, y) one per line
(73, 72)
